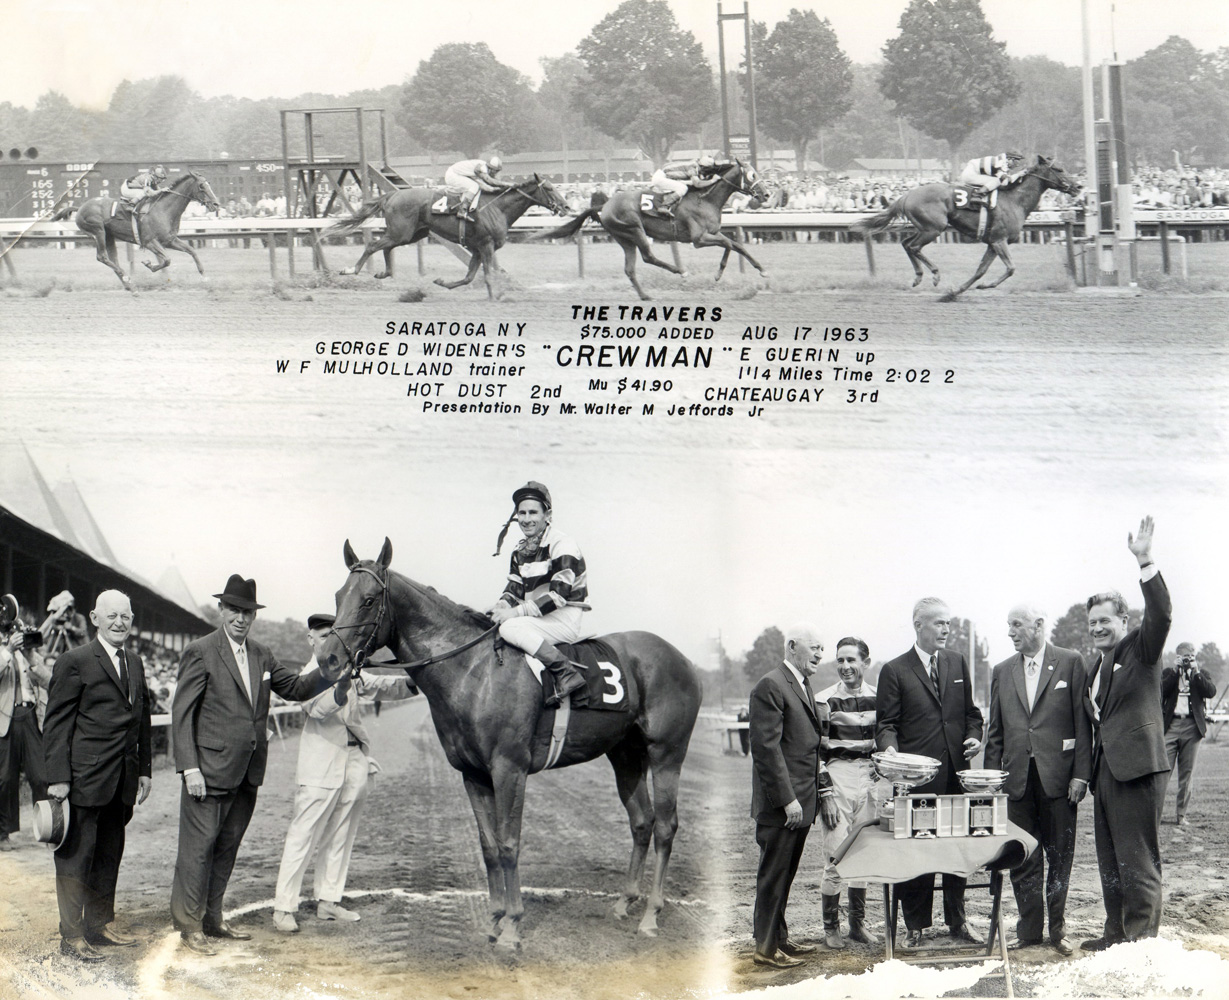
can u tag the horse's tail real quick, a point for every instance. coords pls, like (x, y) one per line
(375, 206)
(568, 229)
(880, 221)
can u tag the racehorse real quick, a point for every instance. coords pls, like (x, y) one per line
(408, 218)
(932, 208)
(158, 224)
(697, 220)
(487, 708)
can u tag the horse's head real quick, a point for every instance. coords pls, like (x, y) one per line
(199, 190)
(1052, 175)
(542, 192)
(364, 614)
(750, 182)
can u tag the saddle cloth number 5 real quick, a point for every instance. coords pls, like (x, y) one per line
(646, 205)
(614, 682)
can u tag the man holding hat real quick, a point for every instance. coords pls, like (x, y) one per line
(218, 732)
(334, 765)
(96, 742)
(544, 598)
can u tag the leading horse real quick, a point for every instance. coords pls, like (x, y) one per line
(932, 208)
(488, 714)
(158, 224)
(696, 220)
(409, 217)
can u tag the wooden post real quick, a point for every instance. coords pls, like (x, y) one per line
(422, 267)
(869, 240)
(742, 261)
(1165, 262)
(580, 255)
(290, 234)
(271, 243)
(1069, 226)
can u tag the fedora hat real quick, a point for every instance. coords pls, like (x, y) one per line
(51, 817)
(240, 593)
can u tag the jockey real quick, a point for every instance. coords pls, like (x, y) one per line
(140, 186)
(473, 177)
(675, 179)
(545, 595)
(988, 173)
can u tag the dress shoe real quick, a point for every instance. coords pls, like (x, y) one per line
(334, 911)
(197, 942)
(1064, 947)
(285, 922)
(1095, 944)
(777, 960)
(793, 949)
(965, 933)
(80, 949)
(913, 940)
(224, 930)
(1019, 943)
(5, 843)
(107, 936)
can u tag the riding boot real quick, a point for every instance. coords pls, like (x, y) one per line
(832, 920)
(670, 202)
(567, 678)
(857, 917)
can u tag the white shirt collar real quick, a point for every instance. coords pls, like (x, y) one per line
(112, 651)
(1039, 656)
(236, 647)
(925, 657)
(797, 674)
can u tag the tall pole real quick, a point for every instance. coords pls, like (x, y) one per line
(725, 107)
(1090, 132)
(751, 84)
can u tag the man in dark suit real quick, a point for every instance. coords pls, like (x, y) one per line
(1040, 734)
(1184, 688)
(1129, 763)
(924, 705)
(218, 722)
(96, 742)
(789, 786)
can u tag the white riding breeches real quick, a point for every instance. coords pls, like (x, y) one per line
(853, 782)
(526, 633)
(976, 179)
(467, 184)
(660, 182)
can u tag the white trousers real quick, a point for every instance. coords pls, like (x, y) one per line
(852, 782)
(527, 633)
(324, 824)
(661, 182)
(976, 179)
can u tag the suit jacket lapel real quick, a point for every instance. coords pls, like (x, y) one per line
(799, 690)
(923, 674)
(107, 666)
(228, 657)
(1047, 672)
(1021, 683)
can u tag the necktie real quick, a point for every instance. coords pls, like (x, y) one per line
(934, 673)
(122, 665)
(242, 660)
(806, 684)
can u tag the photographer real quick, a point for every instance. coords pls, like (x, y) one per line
(1184, 687)
(63, 628)
(23, 700)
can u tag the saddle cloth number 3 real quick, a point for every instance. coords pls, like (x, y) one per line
(646, 205)
(962, 197)
(614, 682)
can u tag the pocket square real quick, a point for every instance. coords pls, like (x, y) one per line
(1068, 745)
(1117, 667)
(1060, 684)
(958, 680)
(265, 676)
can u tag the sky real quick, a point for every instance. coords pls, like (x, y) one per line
(258, 48)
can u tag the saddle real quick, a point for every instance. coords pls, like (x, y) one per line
(975, 198)
(448, 202)
(606, 682)
(652, 203)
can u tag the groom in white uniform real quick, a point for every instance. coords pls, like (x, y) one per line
(334, 764)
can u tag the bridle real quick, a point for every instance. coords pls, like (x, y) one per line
(197, 194)
(533, 196)
(738, 188)
(359, 656)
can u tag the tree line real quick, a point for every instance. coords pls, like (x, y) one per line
(945, 88)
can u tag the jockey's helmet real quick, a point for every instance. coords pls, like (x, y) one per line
(160, 172)
(1014, 157)
(707, 162)
(495, 164)
(532, 491)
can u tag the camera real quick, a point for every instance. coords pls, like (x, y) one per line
(31, 638)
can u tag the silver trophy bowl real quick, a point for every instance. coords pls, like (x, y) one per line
(982, 781)
(905, 770)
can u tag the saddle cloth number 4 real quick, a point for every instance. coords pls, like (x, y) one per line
(440, 207)
(614, 682)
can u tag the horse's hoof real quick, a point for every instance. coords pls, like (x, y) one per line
(916, 282)
(346, 271)
(441, 282)
(649, 931)
(381, 275)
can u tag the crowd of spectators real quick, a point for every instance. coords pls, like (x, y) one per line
(1207, 187)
